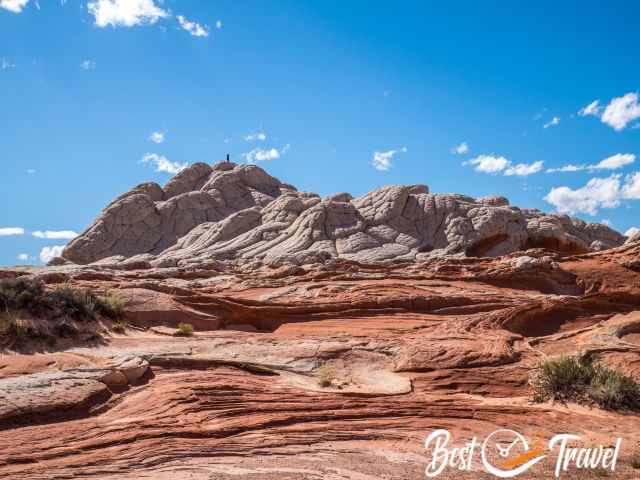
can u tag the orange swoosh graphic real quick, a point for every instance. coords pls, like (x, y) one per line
(535, 451)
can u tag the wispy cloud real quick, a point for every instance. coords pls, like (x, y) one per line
(163, 164)
(567, 168)
(495, 164)
(24, 257)
(383, 160)
(193, 28)
(552, 123)
(49, 253)
(125, 13)
(613, 162)
(524, 169)
(157, 137)
(593, 108)
(461, 149)
(55, 234)
(15, 6)
(88, 65)
(219, 24)
(6, 64)
(488, 163)
(252, 137)
(10, 231)
(596, 194)
(263, 155)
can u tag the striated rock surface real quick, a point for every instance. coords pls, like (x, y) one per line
(331, 334)
(242, 214)
(411, 346)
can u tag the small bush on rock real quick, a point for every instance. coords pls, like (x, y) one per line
(27, 294)
(184, 330)
(326, 375)
(111, 305)
(20, 293)
(581, 379)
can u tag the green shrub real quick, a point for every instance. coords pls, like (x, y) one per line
(20, 293)
(12, 326)
(184, 330)
(23, 293)
(581, 379)
(75, 302)
(111, 305)
(326, 374)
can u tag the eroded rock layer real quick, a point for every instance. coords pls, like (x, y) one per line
(412, 346)
(240, 213)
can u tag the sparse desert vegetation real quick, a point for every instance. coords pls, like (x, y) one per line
(326, 374)
(184, 330)
(580, 378)
(24, 301)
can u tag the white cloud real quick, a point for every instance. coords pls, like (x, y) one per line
(552, 123)
(382, 160)
(8, 231)
(488, 163)
(14, 6)
(157, 137)
(461, 149)
(621, 111)
(597, 193)
(31, 171)
(256, 136)
(88, 65)
(55, 234)
(193, 28)
(566, 168)
(606, 222)
(632, 231)
(631, 188)
(49, 253)
(219, 24)
(262, 155)
(593, 108)
(524, 169)
(125, 13)
(614, 162)
(6, 64)
(23, 257)
(163, 164)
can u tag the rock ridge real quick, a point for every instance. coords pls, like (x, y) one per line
(240, 213)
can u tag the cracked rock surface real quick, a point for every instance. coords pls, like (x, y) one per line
(240, 213)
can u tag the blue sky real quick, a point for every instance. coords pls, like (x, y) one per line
(327, 95)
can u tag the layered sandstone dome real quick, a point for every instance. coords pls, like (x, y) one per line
(240, 213)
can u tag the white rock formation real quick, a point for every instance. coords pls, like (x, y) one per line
(241, 213)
